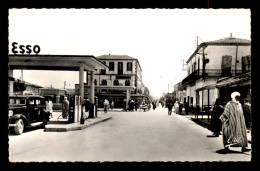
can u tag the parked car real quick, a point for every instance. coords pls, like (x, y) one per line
(26, 111)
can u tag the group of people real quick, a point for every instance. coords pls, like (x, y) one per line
(107, 105)
(234, 120)
(177, 107)
(49, 107)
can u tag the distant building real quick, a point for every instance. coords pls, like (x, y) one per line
(211, 61)
(55, 94)
(21, 87)
(179, 92)
(121, 82)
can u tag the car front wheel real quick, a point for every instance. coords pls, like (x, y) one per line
(18, 129)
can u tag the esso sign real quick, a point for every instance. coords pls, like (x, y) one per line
(25, 48)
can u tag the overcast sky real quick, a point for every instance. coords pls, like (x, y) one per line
(159, 38)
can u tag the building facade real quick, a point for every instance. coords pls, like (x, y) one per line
(212, 61)
(120, 82)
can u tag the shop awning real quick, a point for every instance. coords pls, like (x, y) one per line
(244, 79)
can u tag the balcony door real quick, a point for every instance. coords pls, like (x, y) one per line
(120, 67)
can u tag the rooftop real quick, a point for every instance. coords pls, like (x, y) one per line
(115, 57)
(229, 40)
(225, 41)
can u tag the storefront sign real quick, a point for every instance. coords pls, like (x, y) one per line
(25, 48)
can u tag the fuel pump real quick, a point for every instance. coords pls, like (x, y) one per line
(71, 109)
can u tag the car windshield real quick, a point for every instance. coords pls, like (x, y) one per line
(31, 101)
(17, 101)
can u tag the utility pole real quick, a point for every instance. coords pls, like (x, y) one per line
(22, 75)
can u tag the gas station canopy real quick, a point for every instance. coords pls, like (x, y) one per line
(55, 62)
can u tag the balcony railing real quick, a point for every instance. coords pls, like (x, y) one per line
(209, 73)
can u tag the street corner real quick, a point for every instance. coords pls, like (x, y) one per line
(58, 127)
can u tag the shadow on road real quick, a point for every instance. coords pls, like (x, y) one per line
(223, 151)
(27, 130)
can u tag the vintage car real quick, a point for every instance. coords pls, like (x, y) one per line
(26, 111)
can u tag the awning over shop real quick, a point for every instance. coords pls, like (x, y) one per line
(241, 79)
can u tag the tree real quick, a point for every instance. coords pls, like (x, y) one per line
(19, 86)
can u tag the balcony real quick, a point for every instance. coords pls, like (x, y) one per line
(209, 73)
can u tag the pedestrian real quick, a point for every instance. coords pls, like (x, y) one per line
(65, 108)
(247, 113)
(233, 125)
(180, 108)
(215, 122)
(162, 103)
(154, 105)
(112, 105)
(169, 108)
(186, 106)
(49, 106)
(132, 105)
(105, 105)
(176, 107)
(136, 105)
(86, 104)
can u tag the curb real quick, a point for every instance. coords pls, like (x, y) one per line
(49, 128)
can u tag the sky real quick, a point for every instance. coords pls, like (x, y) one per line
(161, 39)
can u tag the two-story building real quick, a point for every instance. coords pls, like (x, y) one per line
(179, 92)
(120, 82)
(210, 62)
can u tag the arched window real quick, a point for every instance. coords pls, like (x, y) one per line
(129, 66)
(127, 82)
(116, 82)
(104, 82)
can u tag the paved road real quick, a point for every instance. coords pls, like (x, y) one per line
(128, 136)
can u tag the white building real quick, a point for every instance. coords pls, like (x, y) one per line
(120, 82)
(211, 61)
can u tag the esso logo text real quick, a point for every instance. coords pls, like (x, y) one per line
(25, 48)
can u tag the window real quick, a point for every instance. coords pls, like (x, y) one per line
(246, 63)
(95, 81)
(11, 101)
(120, 67)
(104, 82)
(31, 102)
(226, 66)
(103, 72)
(127, 82)
(129, 66)
(38, 101)
(116, 82)
(111, 66)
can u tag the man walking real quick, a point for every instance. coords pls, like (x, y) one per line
(65, 108)
(233, 125)
(169, 108)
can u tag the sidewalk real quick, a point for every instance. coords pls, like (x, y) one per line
(203, 121)
(58, 124)
(114, 110)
